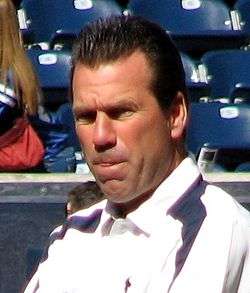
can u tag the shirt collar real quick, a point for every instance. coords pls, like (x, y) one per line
(150, 214)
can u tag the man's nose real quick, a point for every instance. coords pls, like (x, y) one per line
(104, 136)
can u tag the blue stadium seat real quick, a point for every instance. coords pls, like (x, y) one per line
(48, 18)
(194, 25)
(243, 167)
(53, 70)
(197, 89)
(242, 7)
(219, 133)
(228, 74)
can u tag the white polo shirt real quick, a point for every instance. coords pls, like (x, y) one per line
(188, 237)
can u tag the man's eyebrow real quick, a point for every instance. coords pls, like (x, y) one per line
(123, 103)
(79, 110)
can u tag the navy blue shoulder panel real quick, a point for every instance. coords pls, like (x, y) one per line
(191, 212)
(86, 224)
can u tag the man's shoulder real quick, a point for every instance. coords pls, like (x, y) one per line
(219, 202)
(85, 221)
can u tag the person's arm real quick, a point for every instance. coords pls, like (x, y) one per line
(9, 108)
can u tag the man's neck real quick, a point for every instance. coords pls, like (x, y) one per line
(121, 210)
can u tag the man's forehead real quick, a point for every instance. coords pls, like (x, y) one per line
(117, 60)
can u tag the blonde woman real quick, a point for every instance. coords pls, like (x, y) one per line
(19, 90)
(14, 61)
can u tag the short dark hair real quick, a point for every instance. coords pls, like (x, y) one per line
(84, 195)
(107, 40)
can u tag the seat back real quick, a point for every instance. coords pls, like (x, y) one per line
(196, 25)
(46, 18)
(228, 73)
(197, 88)
(53, 70)
(184, 17)
(219, 126)
(243, 9)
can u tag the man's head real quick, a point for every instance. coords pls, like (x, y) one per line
(129, 100)
(83, 196)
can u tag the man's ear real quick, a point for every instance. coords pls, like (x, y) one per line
(178, 116)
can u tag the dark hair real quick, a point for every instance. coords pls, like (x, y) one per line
(107, 40)
(84, 195)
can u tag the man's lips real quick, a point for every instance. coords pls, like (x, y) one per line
(107, 164)
(109, 161)
(109, 169)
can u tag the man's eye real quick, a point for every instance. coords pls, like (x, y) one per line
(86, 118)
(121, 113)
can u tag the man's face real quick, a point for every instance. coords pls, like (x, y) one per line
(125, 135)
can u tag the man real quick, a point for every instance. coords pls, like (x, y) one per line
(162, 228)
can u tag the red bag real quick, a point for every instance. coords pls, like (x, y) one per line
(20, 147)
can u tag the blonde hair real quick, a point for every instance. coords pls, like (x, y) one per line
(14, 60)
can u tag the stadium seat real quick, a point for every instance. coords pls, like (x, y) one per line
(242, 7)
(48, 19)
(53, 70)
(243, 167)
(228, 73)
(194, 24)
(197, 89)
(219, 133)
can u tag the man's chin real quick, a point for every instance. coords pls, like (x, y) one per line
(115, 190)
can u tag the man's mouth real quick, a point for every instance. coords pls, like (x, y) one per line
(108, 161)
(109, 169)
